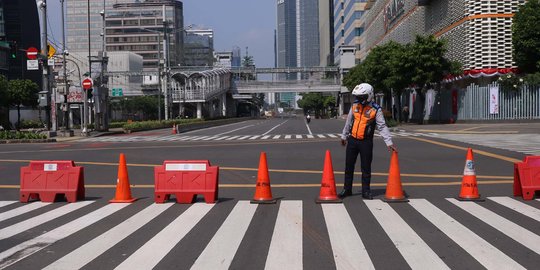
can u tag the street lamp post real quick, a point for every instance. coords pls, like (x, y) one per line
(66, 103)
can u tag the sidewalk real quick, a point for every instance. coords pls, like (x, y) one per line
(472, 128)
(77, 134)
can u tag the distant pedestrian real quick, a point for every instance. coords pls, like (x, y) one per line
(406, 113)
(364, 116)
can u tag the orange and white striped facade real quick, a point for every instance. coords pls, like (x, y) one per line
(478, 32)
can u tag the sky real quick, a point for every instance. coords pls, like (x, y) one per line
(241, 23)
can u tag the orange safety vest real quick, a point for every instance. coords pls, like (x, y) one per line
(364, 122)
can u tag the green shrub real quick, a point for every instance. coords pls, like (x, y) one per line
(20, 135)
(25, 124)
(146, 125)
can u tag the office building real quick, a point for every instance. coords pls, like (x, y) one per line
(138, 27)
(326, 32)
(199, 47)
(348, 17)
(479, 33)
(17, 19)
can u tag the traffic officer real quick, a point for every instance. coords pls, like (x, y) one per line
(357, 135)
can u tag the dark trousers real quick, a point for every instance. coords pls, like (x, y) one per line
(365, 149)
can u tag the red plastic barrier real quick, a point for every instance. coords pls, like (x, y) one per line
(46, 178)
(185, 179)
(527, 177)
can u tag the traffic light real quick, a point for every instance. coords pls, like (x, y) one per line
(13, 49)
(89, 93)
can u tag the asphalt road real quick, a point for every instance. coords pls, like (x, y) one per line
(431, 165)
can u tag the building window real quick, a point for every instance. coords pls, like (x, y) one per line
(342, 33)
(359, 31)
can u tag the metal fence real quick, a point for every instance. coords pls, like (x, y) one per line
(474, 103)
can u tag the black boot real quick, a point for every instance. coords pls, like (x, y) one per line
(367, 195)
(344, 193)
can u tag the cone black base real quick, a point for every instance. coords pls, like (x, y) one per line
(395, 200)
(272, 201)
(479, 199)
(328, 201)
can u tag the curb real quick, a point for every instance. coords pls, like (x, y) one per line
(14, 141)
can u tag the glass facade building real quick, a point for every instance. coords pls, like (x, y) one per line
(138, 27)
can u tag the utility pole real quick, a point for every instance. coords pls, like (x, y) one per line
(51, 114)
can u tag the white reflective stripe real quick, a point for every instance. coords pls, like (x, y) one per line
(265, 137)
(298, 136)
(91, 250)
(321, 136)
(486, 254)
(22, 210)
(153, 251)
(40, 219)
(287, 136)
(33, 245)
(210, 138)
(414, 250)
(219, 253)
(310, 136)
(244, 137)
(511, 229)
(255, 137)
(276, 137)
(286, 245)
(517, 206)
(347, 247)
(331, 135)
(222, 138)
(5, 203)
(232, 138)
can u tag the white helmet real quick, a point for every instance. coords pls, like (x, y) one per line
(362, 90)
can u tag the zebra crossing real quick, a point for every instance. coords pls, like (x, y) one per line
(287, 247)
(226, 138)
(528, 144)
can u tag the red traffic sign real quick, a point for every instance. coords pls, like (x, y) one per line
(32, 53)
(87, 83)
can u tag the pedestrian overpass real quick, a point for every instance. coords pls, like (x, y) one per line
(209, 87)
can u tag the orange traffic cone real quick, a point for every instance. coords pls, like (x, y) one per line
(174, 131)
(469, 188)
(123, 191)
(263, 192)
(328, 185)
(394, 192)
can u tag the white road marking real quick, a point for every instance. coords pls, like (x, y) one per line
(486, 254)
(91, 250)
(414, 250)
(285, 250)
(511, 229)
(5, 203)
(40, 219)
(22, 210)
(219, 253)
(517, 206)
(347, 247)
(33, 245)
(153, 251)
(275, 127)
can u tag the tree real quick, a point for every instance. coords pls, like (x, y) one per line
(526, 37)
(248, 61)
(4, 105)
(22, 93)
(317, 103)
